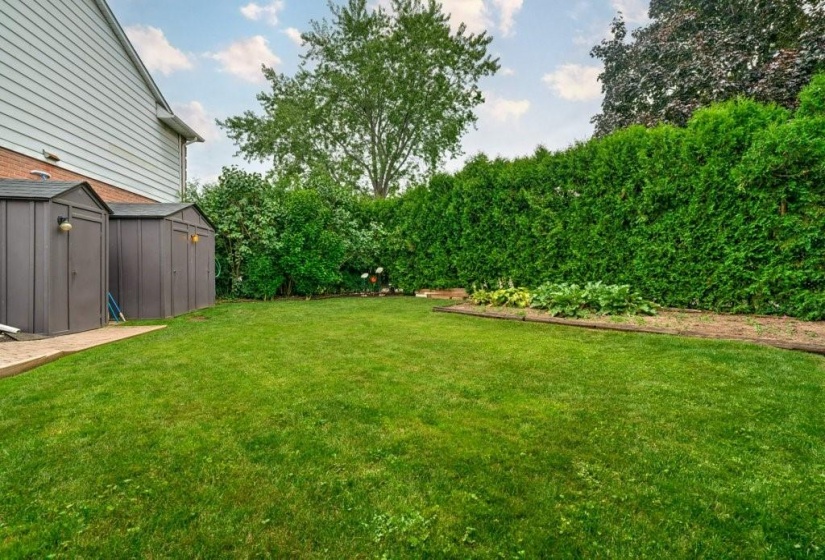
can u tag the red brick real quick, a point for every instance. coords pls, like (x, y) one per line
(18, 166)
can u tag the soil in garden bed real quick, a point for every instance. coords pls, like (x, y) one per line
(785, 330)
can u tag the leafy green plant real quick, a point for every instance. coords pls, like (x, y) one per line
(504, 297)
(607, 299)
(511, 297)
(561, 300)
(572, 300)
(482, 297)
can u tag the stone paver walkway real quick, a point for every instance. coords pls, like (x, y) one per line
(17, 357)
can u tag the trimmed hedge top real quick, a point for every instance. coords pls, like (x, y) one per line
(726, 214)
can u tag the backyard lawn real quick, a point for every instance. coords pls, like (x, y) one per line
(369, 428)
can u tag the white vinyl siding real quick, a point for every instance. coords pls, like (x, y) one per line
(68, 86)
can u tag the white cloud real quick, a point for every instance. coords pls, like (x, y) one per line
(579, 9)
(507, 10)
(477, 15)
(194, 114)
(294, 35)
(575, 82)
(244, 58)
(268, 13)
(507, 71)
(503, 110)
(155, 50)
(472, 13)
(634, 11)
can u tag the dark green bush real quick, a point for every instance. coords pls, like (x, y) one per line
(284, 239)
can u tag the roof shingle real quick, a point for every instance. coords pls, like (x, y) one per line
(35, 190)
(150, 210)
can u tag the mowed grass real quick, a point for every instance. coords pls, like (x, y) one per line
(364, 428)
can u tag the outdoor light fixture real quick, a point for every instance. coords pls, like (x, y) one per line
(63, 223)
(51, 156)
(195, 237)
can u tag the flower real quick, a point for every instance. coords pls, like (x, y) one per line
(365, 275)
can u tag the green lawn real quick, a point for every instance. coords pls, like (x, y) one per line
(373, 427)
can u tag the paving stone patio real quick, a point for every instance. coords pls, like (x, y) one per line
(17, 357)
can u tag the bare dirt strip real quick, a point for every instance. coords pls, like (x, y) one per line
(782, 332)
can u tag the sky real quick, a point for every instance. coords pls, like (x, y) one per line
(205, 56)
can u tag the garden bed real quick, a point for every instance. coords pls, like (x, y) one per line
(782, 332)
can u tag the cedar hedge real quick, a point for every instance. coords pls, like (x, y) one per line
(726, 214)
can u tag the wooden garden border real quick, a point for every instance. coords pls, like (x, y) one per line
(811, 348)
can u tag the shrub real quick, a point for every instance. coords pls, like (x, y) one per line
(561, 300)
(571, 300)
(511, 297)
(284, 238)
(724, 214)
(482, 297)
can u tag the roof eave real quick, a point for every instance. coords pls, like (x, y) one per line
(175, 123)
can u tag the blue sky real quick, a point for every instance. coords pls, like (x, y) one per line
(205, 57)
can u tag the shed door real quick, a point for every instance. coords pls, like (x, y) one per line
(180, 270)
(85, 274)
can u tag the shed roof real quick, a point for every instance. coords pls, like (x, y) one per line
(148, 210)
(36, 190)
(155, 210)
(24, 189)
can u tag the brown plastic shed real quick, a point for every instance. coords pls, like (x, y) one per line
(162, 259)
(52, 278)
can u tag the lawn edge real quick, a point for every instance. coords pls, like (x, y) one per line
(810, 348)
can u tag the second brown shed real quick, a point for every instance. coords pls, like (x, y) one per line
(161, 259)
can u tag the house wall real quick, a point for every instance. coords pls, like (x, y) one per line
(67, 86)
(18, 166)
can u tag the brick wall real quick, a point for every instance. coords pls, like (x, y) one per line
(18, 166)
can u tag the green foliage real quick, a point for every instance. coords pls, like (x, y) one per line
(482, 297)
(561, 300)
(572, 300)
(726, 214)
(617, 300)
(503, 297)
(510, 297)
(380, 98)
(812, 98)
(286, 238)
(696, 52)
(569, 300)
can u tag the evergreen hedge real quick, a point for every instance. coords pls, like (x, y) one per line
(727, 213)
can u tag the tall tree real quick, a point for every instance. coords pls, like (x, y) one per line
(695, 52)
(380, 98)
